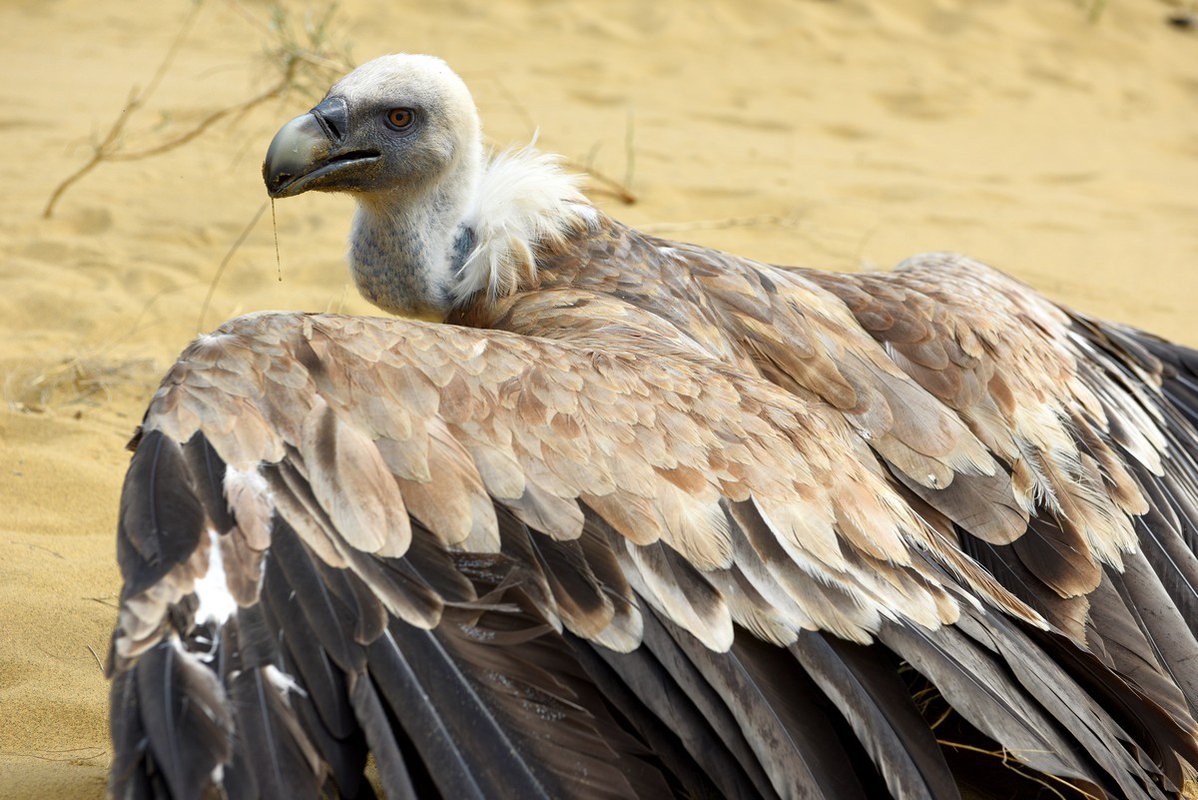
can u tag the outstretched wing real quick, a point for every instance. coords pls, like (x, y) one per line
(509, 566)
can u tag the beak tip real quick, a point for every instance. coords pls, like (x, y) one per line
(276, 182)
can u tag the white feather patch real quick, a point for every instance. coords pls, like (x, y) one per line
(216, 601)
(283, 682)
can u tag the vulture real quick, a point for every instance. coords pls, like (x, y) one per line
(597, 514)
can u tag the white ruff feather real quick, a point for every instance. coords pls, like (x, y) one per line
(524, 199)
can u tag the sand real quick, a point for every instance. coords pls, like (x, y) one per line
(844, 135)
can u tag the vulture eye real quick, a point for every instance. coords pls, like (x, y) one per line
(400, 119)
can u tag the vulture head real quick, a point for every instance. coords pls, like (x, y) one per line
(437, 221)
(398, 125)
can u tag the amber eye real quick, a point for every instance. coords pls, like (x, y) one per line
(400, 118)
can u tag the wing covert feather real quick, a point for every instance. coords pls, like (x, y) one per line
(790, 456)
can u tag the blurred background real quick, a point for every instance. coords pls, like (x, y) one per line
(1054, 139)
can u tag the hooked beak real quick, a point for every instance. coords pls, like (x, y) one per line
(310, 152)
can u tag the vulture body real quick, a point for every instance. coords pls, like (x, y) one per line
(646, 519)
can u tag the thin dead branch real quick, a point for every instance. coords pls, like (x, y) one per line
(721, 224)
(96, 656)
(207, 122)
(602, 183)
(224, 262)
(111, 141)
(1005, 756)
(293, 53)
(629, 150)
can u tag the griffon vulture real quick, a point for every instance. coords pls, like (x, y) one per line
(635, 518)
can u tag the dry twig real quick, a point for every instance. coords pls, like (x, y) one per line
(99, 663)
(721, 224)
(1005, 756)
(109, 144)
(224, 262)
(294, 53)
(604, 184)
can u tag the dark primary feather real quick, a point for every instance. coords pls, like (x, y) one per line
(681, 674)
(682, 724)
(188, 728)
(161, 518)
(864, 684)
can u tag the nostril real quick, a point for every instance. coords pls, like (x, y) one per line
(333, 116)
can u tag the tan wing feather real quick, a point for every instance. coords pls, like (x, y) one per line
(840, 538)
(1016, 374)
(946, 368)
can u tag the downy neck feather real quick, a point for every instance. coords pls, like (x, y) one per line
(476, 232)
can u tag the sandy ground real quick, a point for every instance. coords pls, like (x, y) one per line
(844, 135)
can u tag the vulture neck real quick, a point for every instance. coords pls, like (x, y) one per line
(407, 243)
(420, 252)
